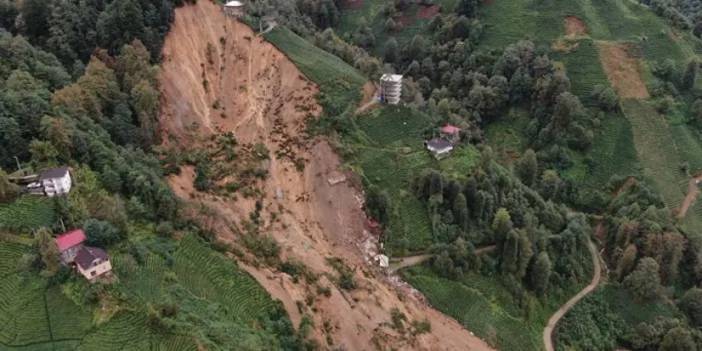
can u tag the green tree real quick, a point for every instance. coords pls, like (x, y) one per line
(678, 339)
(644, 282)
(391, 51)
(541, 273)
(527, 168)
(691, 304)
(378, 205)
(8, 190)
(460, 212)
(501, 224)
(145, 100)
(690, 76)
(627, 261)
(101, 233)
(44, 154)
(516, 253)
(606, 98)
(48, 252)
(468, 8)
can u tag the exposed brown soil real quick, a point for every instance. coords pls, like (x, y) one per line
(693, 191)
(369, 99)
(255, 92)
(574, 26)
(623, 70)
(428, 12)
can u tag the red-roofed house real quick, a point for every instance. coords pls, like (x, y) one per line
(451, 133)
(69, 244)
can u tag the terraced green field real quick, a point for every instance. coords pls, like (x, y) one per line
(27, 213)
(218, 304)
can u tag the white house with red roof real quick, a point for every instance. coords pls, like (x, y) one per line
(91, 262)
(69, 244)
(451, 133)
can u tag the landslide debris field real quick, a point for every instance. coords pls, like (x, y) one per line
(235, 106)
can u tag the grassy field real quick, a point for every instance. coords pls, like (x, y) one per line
(389, 153)
(485, 307)
(27, 213)
(218, 304)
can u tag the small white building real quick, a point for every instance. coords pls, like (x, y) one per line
(234, 9)
(439, 147)
(391, 88)
(382, 261)
(52, 182)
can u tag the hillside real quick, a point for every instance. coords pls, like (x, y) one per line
(219, 77)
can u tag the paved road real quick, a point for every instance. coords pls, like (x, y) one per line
(553, 321)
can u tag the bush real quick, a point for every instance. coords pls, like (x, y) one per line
(101, 233)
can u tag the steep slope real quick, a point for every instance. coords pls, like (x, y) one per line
(217, 77)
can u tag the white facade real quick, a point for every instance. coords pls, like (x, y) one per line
(98, 268)
(234, 9)
(57, 186)
(391, 88)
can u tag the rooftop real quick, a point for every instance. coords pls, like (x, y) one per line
(391, 77)
(439, 144)
(53, 173)
(234, 4)
(70, 239)
(450, 129)
(87, 255)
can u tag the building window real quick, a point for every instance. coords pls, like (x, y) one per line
(92, 274)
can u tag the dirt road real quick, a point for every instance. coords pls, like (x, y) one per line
(553, 321)
(693, 191)
(410, 261)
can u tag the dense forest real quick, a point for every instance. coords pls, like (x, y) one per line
(79, 88)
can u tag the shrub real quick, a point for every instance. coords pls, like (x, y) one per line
(101, 233)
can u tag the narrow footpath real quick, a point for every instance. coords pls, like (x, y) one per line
(596, 278)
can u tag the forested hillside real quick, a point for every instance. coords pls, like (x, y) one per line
(204, 155)
(79, 88)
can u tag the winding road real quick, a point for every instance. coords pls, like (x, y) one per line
(596, 277)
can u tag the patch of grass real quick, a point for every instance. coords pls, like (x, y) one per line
(27, 213)
(208, 275)
(583, 68)
(505, 135)
(620, 301)
(485, 307)
(612, 152)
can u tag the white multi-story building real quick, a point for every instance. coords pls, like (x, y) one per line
(391, 88)
(234, 9)
(55, 181)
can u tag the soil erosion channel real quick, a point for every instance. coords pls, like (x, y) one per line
(218, 77)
